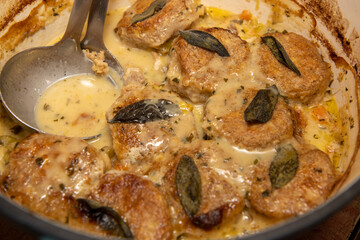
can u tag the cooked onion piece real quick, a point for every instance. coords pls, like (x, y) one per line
(195, 72)
(315, 75)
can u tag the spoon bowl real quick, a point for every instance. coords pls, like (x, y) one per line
(29, 73)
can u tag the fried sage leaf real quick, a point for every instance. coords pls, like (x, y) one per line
(205, 40)
(107, 218)
(188, 185)
(154, 7)
(279, 53)
(284, 166)
(261, 108)
(147, 110)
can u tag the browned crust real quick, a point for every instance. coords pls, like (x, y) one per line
(14, 8)
(329, 13)
(19, 31)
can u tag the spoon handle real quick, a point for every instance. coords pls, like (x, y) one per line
(93, 39)
(77, 20)
(94, 34)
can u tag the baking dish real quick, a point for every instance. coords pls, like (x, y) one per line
(337, 37)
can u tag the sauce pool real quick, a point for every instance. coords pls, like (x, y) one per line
(76, 106)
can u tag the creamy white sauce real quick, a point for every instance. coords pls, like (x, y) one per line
(76, 106)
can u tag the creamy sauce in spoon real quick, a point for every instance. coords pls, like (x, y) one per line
(76, 106)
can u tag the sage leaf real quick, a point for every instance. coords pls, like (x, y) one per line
(154, 7)
(107, 218)
(147, 110)
(261, 108)
(284, 166)
(188, 185)
(205, 40)
(279, 53)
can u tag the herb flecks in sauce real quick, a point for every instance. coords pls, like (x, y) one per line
(147, 110)
(205, 40)
(284, 166)
(279, 53)
(188, 185)
(261, 108)
(107, 218)
(154, 7)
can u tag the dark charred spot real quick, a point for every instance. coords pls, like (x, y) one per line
(199, 155)
(208, 220)
(16, 129)
(39, 161)
(62, 186)
(5, 185)
(207, 137)
(265, 193)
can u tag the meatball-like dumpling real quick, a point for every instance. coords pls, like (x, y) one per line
(136, 144)
(155, 30)
(220, 200)
(224, 117)
(46, 172)
(195, 72)
(315, 73)
(311, 185)
(138, 201)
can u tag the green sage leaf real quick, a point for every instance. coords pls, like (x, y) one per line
(261, 108)
(284, 166)
(205, 40)
(147, 110)
(154, 7)
(107, 218)
(188, 185)
(279, 53)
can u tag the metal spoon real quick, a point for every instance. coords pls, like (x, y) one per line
(26, 75)
(93, 39)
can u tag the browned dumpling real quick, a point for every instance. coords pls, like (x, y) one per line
(224, 117)
(46, 172)
(315, 73)
(138, 201)
(220, 201)
(311, 185)
(136, 144)
(157, 29)
(195, 72)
